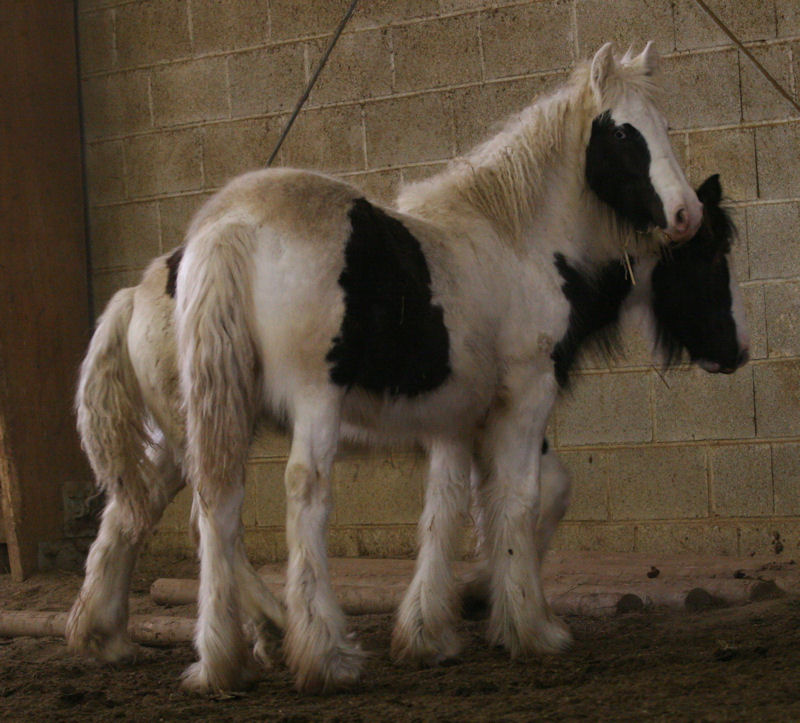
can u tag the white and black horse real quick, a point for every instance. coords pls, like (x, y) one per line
(686, 302)
(439, 323)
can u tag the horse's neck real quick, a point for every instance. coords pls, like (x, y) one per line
(510, 182)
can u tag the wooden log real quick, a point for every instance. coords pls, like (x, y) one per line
(148, 629)
(357, 596)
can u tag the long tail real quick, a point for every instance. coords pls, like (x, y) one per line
(111, 414)
(216, 352)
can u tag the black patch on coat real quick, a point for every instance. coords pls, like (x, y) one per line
(692, 300)
(173, 264)
(618, 171)
(393, 339)
(595, 300)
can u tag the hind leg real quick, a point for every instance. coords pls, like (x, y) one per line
(425, 628)
(555, 490)
(97, 624)
(265, 614)
(319, 652)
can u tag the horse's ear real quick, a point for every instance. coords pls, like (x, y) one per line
(651, 58)
(603, 70)
(710, 191)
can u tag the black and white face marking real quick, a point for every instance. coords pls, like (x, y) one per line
(694, 296)
(393, 339)
(618, 171)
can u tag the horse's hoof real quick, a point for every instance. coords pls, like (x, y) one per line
(339, 668)
(424, 650)
(199, 679)
(553, 637)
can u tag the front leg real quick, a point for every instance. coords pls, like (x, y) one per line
(425, 628)
(510, 455)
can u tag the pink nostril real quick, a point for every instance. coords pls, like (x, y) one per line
(681, 219)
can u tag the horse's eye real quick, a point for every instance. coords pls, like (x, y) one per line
(620, 134)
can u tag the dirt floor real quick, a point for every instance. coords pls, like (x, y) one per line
(740, 663)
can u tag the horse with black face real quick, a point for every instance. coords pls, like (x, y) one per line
(436, 323)
(686, 303)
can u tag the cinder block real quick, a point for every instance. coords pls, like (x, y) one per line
(786, 478)
(164, 162)
(748, 19)
(97, 49)
(482, 110)
(771, 537)
(381, 186)
(652, 483)
(268, 80)
(176, 516)
(115, 105)
(292, 19)
(412, 174)
(702, 90)
(106, 283)
(778, 160)
(360, 67)
(782, 301)
(105, 172)
(379, 490)
(265, 502)
(741, 480)
(126, 235)
(732, 154)
(409, 130)
(773, 240)
(740, 260)
(777, 393)
(507, 32)
(754, 307)
(343, 542)
(327, 139)
(152, 31)
(175, 214)
(190, 92)
(788, 15)
(698, 405)
(387, 541)
(230, 149)
(605, 409)
(589, 497)
(272, 441)
(380, 13)
(265, 544)
(760, 100)
(590, 537)
(452, 41)
(229, 25)
(625, 23)
(701, 538)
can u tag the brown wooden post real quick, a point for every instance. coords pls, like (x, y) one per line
(44, 315)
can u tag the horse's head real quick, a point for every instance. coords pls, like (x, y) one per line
(629, 160)
(696, 301)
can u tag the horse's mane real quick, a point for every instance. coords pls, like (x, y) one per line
(503, 178)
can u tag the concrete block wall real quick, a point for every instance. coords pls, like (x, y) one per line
(180, 95)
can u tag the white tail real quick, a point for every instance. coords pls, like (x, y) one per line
(111, 414)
